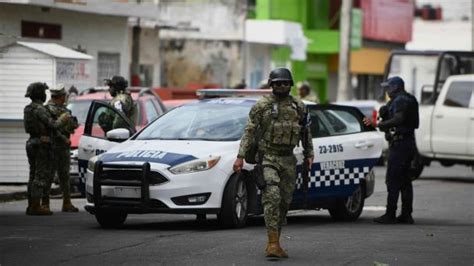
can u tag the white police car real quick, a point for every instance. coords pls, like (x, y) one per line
(182, 163)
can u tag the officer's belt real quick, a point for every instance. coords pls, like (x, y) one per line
(397, 137)
(279, 153)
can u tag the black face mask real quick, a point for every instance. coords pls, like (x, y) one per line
(393, 92)
(112, 91)
(281, 91)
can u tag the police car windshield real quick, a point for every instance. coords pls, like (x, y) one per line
(211, 120)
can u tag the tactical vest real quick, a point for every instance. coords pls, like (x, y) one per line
(282, 123)
(126, 102)
(31, 122)
(412, 117)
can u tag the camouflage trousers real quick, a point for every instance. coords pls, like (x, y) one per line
(60, 166)
(280, 175)
(39, 158)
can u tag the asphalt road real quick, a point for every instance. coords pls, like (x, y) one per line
(443, 234)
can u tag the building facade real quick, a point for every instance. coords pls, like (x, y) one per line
(376, 28)
(95, 28)
(101, 33)
(210, 51)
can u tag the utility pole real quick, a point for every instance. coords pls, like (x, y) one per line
(245, 48)
(343, 85)
(135, 65)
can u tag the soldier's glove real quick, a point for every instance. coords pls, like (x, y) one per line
(65, 117)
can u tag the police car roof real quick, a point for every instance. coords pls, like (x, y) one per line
(237, 94)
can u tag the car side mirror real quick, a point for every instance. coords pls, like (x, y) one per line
(118, 134)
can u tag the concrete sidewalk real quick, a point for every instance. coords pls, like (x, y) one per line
(12, 192)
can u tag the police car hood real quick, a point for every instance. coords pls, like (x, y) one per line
(168, 152)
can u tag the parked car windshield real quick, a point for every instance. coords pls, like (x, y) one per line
(214, 120)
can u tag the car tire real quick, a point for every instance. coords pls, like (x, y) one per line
(235, 203)
(416, 167)
(110, 219)
(350, 208)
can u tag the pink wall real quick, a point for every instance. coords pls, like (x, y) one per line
(387, 20)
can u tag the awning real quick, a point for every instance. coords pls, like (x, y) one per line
(55, 50)
(278, 32)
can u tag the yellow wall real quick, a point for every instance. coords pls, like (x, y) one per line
(363, 61)
(369, 60)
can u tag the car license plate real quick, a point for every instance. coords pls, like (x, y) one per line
(127, 192)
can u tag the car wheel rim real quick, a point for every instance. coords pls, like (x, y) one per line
(353, 202)
(241, 200)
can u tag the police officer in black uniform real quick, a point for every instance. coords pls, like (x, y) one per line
(399, 124)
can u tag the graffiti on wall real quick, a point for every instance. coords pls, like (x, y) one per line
(72, 70)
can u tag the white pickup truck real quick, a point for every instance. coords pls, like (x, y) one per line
(446, 132)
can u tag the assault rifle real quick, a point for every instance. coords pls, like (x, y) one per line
(254, 156)
(257, 172)
(304, 166)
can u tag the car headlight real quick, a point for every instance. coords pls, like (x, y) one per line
(195, 166)
(91, 163)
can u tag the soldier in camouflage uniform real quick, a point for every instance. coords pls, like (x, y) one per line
(283, 120)
(122, 101)
(41, 126)
(61, 148)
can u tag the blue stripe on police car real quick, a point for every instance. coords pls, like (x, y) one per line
(155, 156)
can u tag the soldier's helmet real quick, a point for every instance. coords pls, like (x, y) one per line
(280, 74)
(36, 90)
(117, 82)
(59, 90)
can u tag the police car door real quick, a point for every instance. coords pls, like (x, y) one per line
(345, 150)
(101, 119)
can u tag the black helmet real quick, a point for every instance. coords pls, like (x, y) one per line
(117, 82)
(36, 91)
(280, 74)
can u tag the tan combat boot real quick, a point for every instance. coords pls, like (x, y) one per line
(273, 247)
(285, 255)
(45, 203)
(37, 209)
(67, 205)
(268, 244)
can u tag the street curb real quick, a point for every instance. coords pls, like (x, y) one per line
(21, 195)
